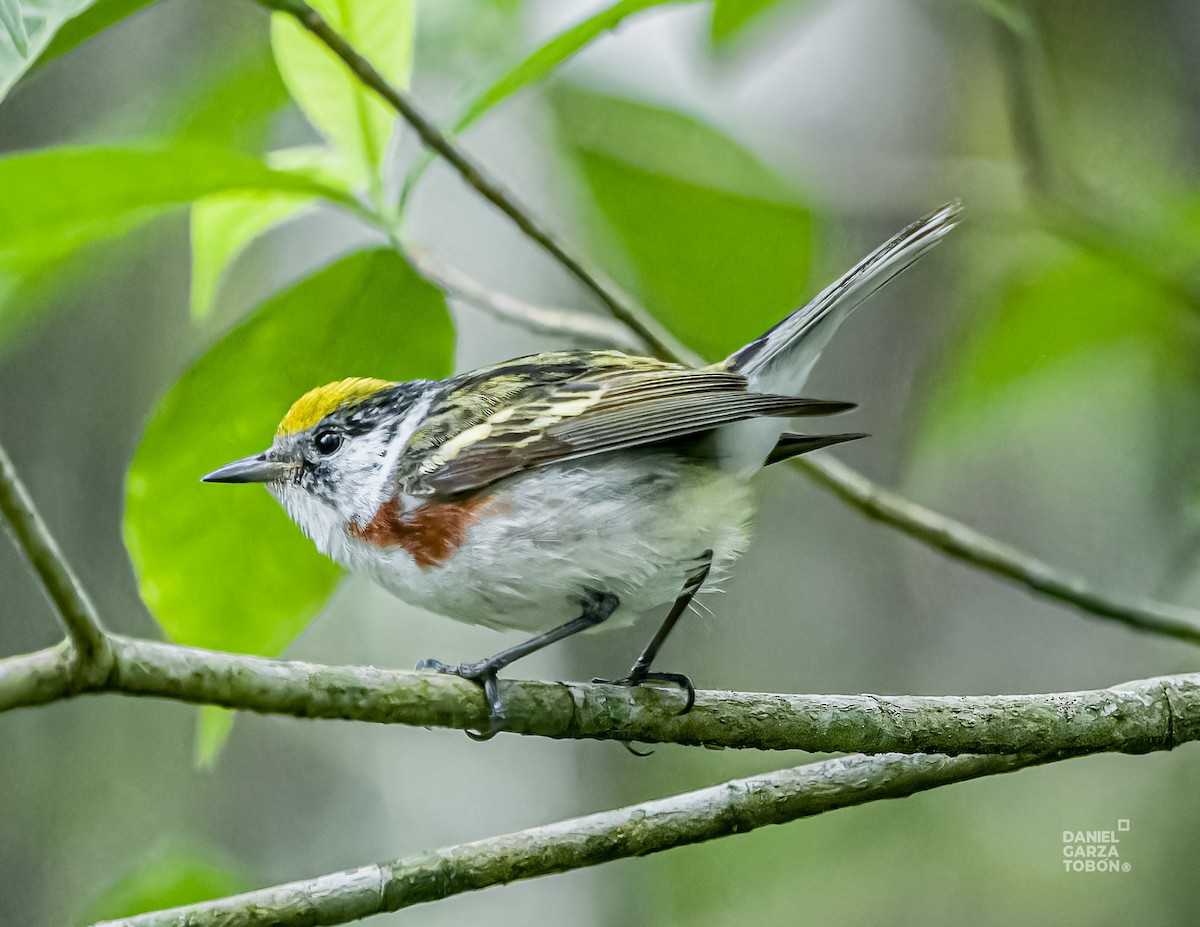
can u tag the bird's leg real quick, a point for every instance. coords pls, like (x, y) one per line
(597, 607)
(640, 672)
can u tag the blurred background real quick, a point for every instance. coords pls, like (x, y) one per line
(1035, 376)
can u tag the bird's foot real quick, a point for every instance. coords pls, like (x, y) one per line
(676, 679)
(484, 672)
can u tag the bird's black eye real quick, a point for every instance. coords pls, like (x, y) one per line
(327, 442)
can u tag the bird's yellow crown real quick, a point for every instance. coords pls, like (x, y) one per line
(317, 403)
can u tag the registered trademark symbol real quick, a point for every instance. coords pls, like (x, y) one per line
(1124, 867)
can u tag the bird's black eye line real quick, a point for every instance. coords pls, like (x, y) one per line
(327, 442)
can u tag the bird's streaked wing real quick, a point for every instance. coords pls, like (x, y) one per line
(556, 407)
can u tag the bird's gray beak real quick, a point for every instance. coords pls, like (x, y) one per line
(256, 469)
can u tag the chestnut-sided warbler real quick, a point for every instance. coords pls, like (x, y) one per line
(560, 491)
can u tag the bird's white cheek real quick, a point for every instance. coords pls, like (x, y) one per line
(362, 477)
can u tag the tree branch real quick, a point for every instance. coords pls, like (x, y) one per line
(961, 542)
(37, 678)
(1134, 717)
(733, 807)
(584, 327)
(71, 602)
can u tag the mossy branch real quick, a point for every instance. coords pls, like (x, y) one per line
(1134, 717)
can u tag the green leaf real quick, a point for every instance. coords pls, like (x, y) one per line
(30, 284)
(729, 17)
(61, 198)
(718, 247)
(14, 25)
(222, 566)
(223, 227)
(212, 730)
(1044, 319)
(230, 104)
(538, 64)
(90, 21)
(31, 28)
(169, 878)
(355, 120)
(317, 163)
(543, 60)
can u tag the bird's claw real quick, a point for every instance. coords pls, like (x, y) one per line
(483, 673)
(676, 679)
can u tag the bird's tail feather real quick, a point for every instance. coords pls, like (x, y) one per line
(780, 361)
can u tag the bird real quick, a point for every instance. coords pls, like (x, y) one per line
(563, 491)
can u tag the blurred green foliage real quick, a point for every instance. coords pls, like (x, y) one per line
(59, 200)
(224, 226)
(536, 66)
(551, 55)
(173, 876)
(730, 17)
(92, 18)
(1041, 318)
(235, 107)
(721, 249)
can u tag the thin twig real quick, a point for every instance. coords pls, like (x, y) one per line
(70, 600)
(623, 308)
(961, 542)
(733, 807)
(1134, 717)
(587, 328)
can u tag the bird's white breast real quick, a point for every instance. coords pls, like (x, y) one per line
(630, 523)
